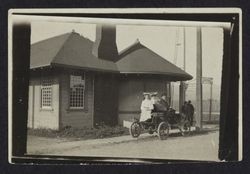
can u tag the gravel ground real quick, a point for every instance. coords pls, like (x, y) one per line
(202, 146)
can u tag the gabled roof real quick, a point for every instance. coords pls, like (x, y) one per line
(74, 50)
(137, 58)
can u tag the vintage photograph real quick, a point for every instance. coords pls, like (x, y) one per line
(123, 88)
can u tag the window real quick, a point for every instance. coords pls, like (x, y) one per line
(46, 93)
(77, 87)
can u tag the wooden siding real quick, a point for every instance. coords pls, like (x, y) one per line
(38, 117)
(78, 118)
(130, 95)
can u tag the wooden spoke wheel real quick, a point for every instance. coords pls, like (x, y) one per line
(135, 129)
(163, 131)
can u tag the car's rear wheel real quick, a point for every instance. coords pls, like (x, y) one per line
(163, 130)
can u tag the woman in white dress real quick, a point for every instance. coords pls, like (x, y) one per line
(146, 108)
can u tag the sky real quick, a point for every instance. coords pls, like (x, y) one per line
(160, 39)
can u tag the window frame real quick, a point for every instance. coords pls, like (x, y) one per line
(83, 75)
(46, 77)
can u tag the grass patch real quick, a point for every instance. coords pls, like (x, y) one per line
(83, 133)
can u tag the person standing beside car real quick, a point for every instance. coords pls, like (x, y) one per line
(146, 108)
(190, 112)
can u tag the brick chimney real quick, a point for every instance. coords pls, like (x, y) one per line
(105, 44)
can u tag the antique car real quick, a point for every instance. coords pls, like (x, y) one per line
(161, 123)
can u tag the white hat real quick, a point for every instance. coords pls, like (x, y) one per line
(146, 93)
(153, 93)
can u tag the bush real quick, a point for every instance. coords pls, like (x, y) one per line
(103, 131)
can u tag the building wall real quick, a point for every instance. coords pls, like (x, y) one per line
(78, 118)
(106, 99)
(38, 117)
(131, 95)
(129, 100)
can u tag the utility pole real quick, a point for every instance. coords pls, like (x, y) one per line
(184, 48)
(177, 44)
(199, 80)
(184, 62)
(182, 90)
(211, 99)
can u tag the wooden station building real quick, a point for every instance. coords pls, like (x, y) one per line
(80, 83)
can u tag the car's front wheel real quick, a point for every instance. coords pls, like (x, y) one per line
(135, 130)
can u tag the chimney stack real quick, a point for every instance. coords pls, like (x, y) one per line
(105, 44)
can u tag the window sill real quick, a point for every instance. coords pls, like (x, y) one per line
(77, 110)
(46, 109)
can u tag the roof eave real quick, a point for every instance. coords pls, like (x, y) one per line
(173, 76)
(85, 68)
(40, 66)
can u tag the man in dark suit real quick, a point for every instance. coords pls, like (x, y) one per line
(190, 112)
(163, 105)
(184, 108)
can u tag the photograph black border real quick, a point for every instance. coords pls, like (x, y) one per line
(217, 167)
(228, 141)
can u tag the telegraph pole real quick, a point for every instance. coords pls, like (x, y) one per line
(184, 62)
(199, 80)
(182, 90)
(177, 44)
(184, 48)
(211, 100)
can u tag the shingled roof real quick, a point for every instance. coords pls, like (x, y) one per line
(139, 59)
(70, 50)
(74, 50)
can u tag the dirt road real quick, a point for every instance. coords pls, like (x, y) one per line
(203, 146)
